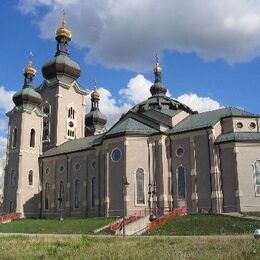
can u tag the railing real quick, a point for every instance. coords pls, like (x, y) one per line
(9, 217)
(161, 220)
(129, 219)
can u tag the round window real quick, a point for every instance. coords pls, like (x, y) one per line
(71, 124)
(116, 155)
(239, 125)
(77, 166)
(252, 125)
(93, 164)
(180, 152)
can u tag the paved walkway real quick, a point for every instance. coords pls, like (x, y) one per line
(76, 236)
(239, 215)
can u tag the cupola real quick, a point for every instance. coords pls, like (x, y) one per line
(28, 94)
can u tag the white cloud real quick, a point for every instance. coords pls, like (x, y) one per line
(109, 106)
(137, 90)
(6, 102)
(200, 104)
(126, 34)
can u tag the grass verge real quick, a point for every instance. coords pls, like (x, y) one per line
(206, 224)
(54, 226)
(233, 247)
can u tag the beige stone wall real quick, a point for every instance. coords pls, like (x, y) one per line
(246, 155)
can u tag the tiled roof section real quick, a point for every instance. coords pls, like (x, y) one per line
(208, 119)
(239, 137)
(131, 126)
(75, 145)
(168, 112)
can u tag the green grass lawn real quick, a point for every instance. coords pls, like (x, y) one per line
(252, 213)
(206, 224)
(141, 248)
(44, 226)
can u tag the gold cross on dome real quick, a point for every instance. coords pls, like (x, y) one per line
(157, 58)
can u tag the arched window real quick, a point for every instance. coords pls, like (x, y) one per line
(61, 195)
(77, 194)
(32, 138)
(14, 138)
(139, 186)
(71, 113)
(181, 182)
(93, 192)
(11, 206)
(257, 177)
(46, 195)
(12, 178)
(30, 178)
(46, 122)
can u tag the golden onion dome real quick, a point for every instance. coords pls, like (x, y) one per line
(95, 95)
(63, 31)
(29, 69)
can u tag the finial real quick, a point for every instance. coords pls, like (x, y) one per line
(157, 59)
(63, 31)
(64, 17)
(95, 84)
(30, 58)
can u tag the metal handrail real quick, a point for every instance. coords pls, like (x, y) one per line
(9, 217)
(161, 220)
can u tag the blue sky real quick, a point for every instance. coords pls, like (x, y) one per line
(208, 48)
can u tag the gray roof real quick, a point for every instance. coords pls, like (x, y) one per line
(208, 119)
(130, 126)
(75, 145)
(239, 137)
(168, 112)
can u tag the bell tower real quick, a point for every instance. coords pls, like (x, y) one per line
(64, 98)
(22, 182)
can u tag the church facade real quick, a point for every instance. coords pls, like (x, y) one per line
(160, 155)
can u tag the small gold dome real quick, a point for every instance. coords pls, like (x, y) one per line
(157, 69)
(95, 95)
(63, 31)
(30, 70)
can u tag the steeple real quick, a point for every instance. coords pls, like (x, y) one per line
(95, 121)
(62, 67)
(63, 37)
(28, 94)
(158, 89)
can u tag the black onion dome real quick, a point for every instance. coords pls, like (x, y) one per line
(95, 117)
(27, 95)
(61, 64)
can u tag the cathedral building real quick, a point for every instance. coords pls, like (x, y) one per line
(160, 155)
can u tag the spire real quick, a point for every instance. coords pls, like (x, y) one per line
(157, 69)
(29, 72)
(158, 89)
(63, 36)
(95, 121)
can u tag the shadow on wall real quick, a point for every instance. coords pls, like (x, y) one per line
(32, 207)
